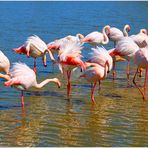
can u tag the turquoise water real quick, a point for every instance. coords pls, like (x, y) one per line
(119, 117)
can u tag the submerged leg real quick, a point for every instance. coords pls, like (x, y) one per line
(128, 71)
(92, 92)
(114, 71)
(69, 84)
(137, 85)
(22, 97)
(146, 77)
(99, 85)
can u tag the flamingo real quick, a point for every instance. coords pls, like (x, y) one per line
(125, 48)
(93, 73)
(69, 58)
(116, 34)
(141, 60)
(141, 39)
(22, 77)
(4, 66)
(34, 47)
(96, 37)
(100, 55)
(55, 45)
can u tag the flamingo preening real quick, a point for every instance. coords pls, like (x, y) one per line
(96, 37)
(141, 60)
(116, 34)
(69, 58)
(22, 78)
(34, 47)
(141, 39)
(125, 48)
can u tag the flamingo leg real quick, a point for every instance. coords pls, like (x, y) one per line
(99, 85)
(69, 84)
(146, 77)
(114, 71)
(128, 70)
(92, 93)
(22, 97)
(34, 65)
(137, 85)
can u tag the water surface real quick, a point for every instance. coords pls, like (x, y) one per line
(119, 117)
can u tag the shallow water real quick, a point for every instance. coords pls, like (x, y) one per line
(119, 117)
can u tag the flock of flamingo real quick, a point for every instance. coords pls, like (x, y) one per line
(67, 53)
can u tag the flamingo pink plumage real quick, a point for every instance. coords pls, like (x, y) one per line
(96, 37)
(94, 73)
(4, 66)
(34, 47)
(22, 78)
(69, 58)
(125, 48)
(116, 34)
(141, 39)
(141, 60)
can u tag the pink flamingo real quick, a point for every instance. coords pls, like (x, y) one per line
(116, 34)
(22, 78)
(35, 48)
(94, 73)
(100, 55)
(125, 48)
(96, 37)
(69, 58)
(141, 60)
(4, 66)
(141, 39)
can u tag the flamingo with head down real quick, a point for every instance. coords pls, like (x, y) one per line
(94, 73)
(69, 58)
(34, 47)
(141, 60)
(22, 78)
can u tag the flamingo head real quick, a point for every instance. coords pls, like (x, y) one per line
(143, 31)
(128, 28)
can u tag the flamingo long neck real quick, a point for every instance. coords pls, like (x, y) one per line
(50, 54)
(43, 83)
(5, 76)
(126, 30)
(105, 69)
(106, 40)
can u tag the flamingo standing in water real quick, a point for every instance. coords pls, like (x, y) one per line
(115, 35)
(96, 37)
(125, 48)
(141, 39)
(141, 60)
(22, 78)
(4, 66)
(35, 48)
(69, 58)
(100, 55)
(94, 73)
